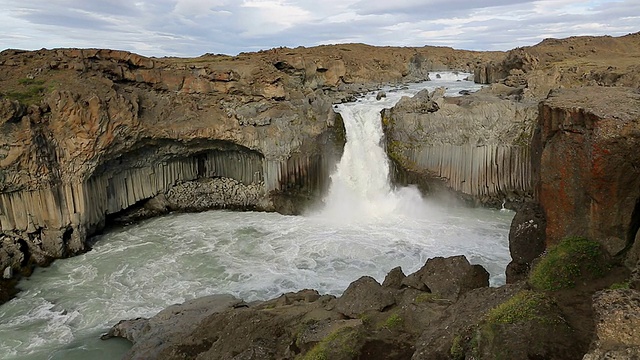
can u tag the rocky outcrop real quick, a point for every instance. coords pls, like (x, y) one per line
(477, 145)
(152, 336)
(510, 70)
(563, 63)
(587, 179)
(448, 278)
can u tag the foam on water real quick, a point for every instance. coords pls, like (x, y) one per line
(366, 228)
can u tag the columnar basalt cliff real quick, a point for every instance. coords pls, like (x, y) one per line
(478, 144)
(87, 134)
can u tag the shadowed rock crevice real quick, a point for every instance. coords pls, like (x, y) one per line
(634, 227)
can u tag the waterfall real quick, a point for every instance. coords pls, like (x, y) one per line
(360, 187)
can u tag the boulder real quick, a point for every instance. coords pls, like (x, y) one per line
(362, 295)
(151, 336)
(421, 103)
(448, 277)
(526, 240)
(394, 278)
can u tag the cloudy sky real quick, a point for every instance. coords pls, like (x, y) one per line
(195, 27)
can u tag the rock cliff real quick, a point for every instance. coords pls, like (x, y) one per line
(586, 165)
(478, 144)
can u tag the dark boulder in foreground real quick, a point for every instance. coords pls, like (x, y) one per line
(448, 277)
(526, 240)
(152, 336)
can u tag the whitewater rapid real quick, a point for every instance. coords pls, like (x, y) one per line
(365, 228)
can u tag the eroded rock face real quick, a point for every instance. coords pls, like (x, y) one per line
(588, 182)
(477, 145)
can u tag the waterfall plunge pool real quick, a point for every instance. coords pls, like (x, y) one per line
(366, 228)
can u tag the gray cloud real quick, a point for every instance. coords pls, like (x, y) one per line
(194, 27)
(430, 8)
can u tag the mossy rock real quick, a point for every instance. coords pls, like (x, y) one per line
(525, 306)
(392, 322)
(342, 344)
(528, 325)
(564, 265)
(27, 92)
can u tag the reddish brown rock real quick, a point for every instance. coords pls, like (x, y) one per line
(587, 165)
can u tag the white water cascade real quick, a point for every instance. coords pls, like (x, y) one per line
(365, 228)
(360, 188)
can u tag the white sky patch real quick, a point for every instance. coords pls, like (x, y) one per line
(270, 17)
(579, 7)
(462, 21)
(589, 27)
(197, 8)
(344, 17)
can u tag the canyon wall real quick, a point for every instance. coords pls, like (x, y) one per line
(564, 63)
(587, 166)
(477, 145)
(87, 135)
